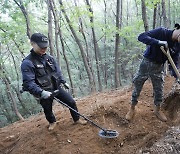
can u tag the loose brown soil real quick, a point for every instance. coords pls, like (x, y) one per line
(107, 109)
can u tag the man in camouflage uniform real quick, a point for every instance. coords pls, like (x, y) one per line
(152, 65)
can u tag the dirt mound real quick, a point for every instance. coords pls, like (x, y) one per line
(169, 144)
(108, 110)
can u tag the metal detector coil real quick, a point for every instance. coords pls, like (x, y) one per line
(108, 133)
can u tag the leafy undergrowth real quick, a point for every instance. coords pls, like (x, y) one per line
(108, 110)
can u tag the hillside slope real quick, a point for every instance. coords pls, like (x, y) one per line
(108, 110)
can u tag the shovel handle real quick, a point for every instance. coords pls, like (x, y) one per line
(167, 53)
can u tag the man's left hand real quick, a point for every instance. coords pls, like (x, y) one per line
(178, 81)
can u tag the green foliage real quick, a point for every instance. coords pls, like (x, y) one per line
(151, 3)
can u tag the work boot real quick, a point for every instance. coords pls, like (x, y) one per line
(159, 114)
(52, 126)
(130, 113)
(81, 121)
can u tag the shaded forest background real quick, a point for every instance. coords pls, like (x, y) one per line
(94, 42)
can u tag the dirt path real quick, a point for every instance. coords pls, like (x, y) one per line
(107, 109)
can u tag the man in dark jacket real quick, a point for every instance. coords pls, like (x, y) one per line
(152, 65)
(41, 76)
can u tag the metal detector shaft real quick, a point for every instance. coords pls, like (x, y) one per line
(171, 61)
(79, 114)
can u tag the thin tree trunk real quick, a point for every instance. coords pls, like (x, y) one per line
(18, 89)
(120, 25)
(144, 15)
(15, 67)
(127, 8)
(105, 47)
(7, 83)
(21, 101)
(90, 58)
(169, 12)
(154, 16)
(50, 30)
(96, 46)
(24, 11)
(11, 95)
(137, 8)
(81, 77)
(56, 23)
(89, 73)
(19, 49)
(67, 65)
(58, 33)
(117, 41)
(159, 18)
(165, 21)
(16, 44)
(6, 111)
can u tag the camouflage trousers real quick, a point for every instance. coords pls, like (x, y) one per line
(154, 71)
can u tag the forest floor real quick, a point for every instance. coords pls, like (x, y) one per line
(107, 109)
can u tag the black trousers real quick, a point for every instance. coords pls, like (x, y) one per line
(64, 97)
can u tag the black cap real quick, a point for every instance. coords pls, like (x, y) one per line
(40, 39)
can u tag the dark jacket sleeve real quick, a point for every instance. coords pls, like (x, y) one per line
(150, 37)
(28, 76)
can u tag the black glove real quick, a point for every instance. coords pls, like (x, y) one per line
(66, 86)
(163, 43)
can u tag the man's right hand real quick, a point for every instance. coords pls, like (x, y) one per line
(163, 43)
(45, 94)
(177, 81)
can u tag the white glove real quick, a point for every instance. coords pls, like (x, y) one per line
(177, 81)
(163, 43)
(45, 94)
(66, 86)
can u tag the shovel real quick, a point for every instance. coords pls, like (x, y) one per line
(167, 53)
(105, 133)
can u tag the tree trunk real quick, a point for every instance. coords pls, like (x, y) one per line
(165, 21)
(11, 95)
(56, 23)
(144, 15)
(67, 65)
(154, 16)
(18, 89)
(105, 47)
(117, 41)
(120, 25)
(6, 111)
(58, 33)
(96, 46)
(50, 29)
(21, 101)
(90, 57)
(89, 73)
(159, 20)
(24, 11)
(19, 49)
(137, 8)
(169, 12)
